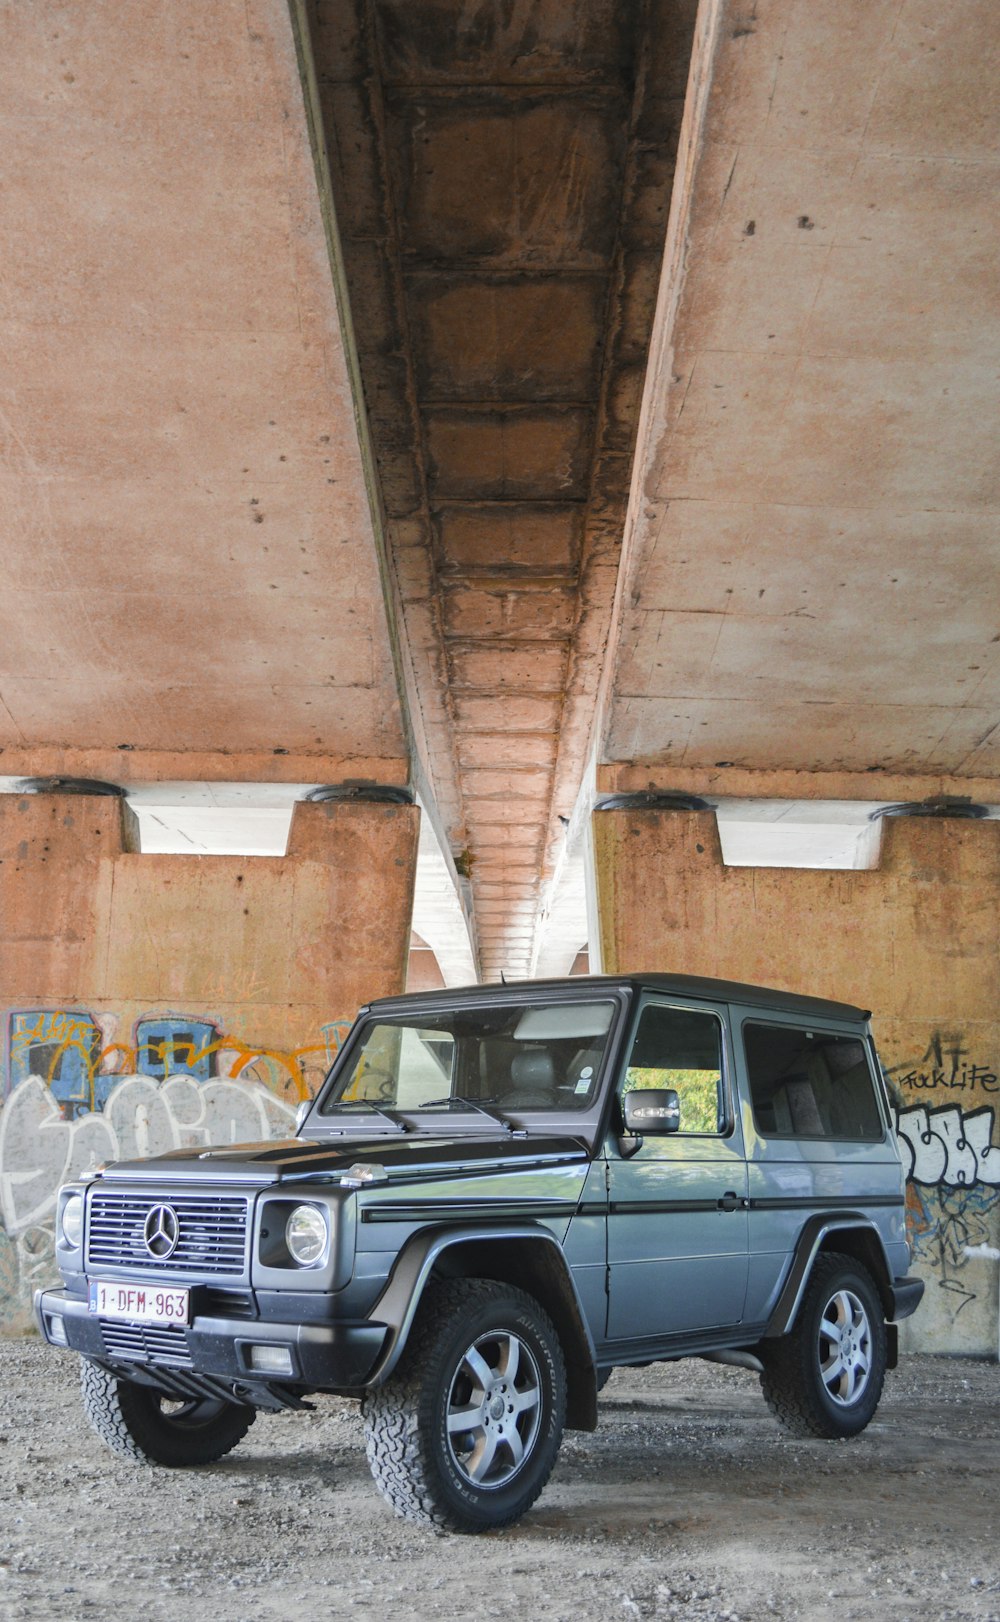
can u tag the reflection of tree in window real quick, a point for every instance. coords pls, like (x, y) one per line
(680, 1048)
(374, 1073)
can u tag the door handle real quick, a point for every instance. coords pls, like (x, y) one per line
(729, 1202)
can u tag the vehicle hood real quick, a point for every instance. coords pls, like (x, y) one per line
(288, 1159)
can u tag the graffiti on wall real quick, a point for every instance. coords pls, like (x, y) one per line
(952, 1161)
(946, 1063)
(75, 1096)
(80, 1058)
(948, 1146)
(949, 1228)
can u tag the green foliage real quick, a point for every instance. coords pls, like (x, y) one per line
(698, 1091)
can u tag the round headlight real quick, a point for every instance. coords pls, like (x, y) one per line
(71, 1221)
(306, 1235)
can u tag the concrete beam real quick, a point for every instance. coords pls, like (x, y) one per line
(745, 783)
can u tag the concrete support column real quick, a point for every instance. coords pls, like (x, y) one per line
(917, 940)
(149, 1002)
(57, 862)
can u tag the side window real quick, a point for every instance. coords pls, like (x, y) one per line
(808, 1084)
(681, 1048)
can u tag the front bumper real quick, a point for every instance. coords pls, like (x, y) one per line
(323, 1356)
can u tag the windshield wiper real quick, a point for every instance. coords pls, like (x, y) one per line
(368, 1104)
(470, 1103)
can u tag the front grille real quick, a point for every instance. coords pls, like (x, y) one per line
(212, 1232)
(146, 1343)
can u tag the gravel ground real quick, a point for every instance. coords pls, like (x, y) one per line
(688, 1502)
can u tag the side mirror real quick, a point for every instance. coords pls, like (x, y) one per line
(301, 1113)
(652, 1111)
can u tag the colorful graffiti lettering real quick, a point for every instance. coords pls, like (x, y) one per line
(74, 1053)
(952, 1164)
(165, 1045)
(949, 1228)
(61, 1046)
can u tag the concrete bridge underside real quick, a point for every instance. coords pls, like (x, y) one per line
(326, 337)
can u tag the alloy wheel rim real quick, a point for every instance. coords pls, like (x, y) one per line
(494, 1410)
(845, 1348)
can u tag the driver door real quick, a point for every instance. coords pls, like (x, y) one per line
(677, 1217)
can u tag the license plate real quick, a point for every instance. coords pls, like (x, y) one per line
(139, 1303)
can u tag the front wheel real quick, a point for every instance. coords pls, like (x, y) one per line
(140, 1423)
(465, 1432)
(824, 1378)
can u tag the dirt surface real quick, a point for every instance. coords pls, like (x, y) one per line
(688, 1502)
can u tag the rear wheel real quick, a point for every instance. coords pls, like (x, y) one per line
(140, 1423)
(825, 1377)
(464, 1434)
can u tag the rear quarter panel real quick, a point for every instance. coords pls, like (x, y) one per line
(790, 1180)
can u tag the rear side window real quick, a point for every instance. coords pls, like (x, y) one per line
(808, 1084)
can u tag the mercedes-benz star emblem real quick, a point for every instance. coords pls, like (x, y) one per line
(161, 1231)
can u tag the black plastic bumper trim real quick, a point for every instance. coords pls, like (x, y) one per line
(331, 1357)
(907, 1294)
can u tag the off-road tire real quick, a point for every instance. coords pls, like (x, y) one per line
(140, 1423)
(417, 1459)
(793, 1380)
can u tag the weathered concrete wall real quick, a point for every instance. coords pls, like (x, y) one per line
(152, 1001)
(917, 941)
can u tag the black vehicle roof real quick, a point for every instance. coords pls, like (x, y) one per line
(677, 985)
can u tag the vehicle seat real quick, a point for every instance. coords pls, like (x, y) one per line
(532, 1080)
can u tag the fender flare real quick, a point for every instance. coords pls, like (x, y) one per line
(807, 1248)
(396, 1307)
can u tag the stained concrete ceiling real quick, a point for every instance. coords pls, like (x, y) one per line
(188, 568)
(812, 571)
(501, 179)
(225, 549)
(809, 582)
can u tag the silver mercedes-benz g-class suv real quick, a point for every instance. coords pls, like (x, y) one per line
(498, 1195)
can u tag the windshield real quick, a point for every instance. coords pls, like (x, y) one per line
(516, 1058)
